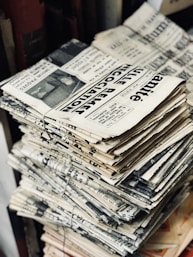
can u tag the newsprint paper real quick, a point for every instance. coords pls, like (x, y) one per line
(105, 153)
(112, 107)
(149, 39)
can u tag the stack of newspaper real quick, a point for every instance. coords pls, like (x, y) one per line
(173, 236)
(106, 151)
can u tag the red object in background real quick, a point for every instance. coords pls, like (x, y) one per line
(28, 21)
(188, 251)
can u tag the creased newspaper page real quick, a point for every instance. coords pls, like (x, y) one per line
(82, 61)
(122, 43)
(129, 46)
(154, 27)
(118, 102)
(162, 33)
(158, 31)
(150, 39)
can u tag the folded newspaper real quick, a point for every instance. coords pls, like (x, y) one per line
(149, 39)
(106, 151)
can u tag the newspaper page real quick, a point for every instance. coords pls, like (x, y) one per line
(139, 85)
(149, 39)
(123, 97)
(121, 43)
(163, 34)
(158, 30)
(55, 78)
